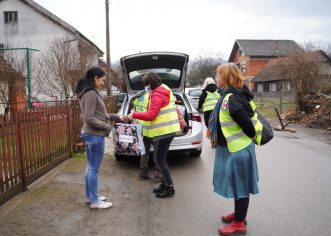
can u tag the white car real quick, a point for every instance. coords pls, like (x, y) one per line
(171, 67)
(193, 95)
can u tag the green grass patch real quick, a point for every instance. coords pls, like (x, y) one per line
(77, 165)
(267, 106)
(79, 156)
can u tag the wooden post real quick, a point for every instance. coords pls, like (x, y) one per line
(19, 146)
(70, 127)
(108, 51)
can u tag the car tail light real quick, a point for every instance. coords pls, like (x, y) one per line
(196, 117)
(194, 143)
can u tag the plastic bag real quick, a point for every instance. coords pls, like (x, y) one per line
(180, 112)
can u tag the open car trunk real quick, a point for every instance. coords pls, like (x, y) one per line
(171, 67)
(180, 106)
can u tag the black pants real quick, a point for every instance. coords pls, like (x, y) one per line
(161, 148)
(240, 208)
(206, 115)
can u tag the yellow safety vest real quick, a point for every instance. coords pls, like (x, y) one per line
(141, 105)
(166, 121)
(210, 101)
(235, 137)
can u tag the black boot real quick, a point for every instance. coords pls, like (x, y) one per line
(159, 189)
(166, 192)
(143, 174)
(157, 176)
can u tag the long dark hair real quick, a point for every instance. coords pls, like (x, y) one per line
(152, 79)
(88, 81)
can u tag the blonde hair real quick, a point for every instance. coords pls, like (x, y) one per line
(208, 81)
(230, 75)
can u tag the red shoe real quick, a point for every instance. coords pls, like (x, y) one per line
(235, 228)
(229, 218)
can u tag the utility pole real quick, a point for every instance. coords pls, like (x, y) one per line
(281, 83)
(108, 50)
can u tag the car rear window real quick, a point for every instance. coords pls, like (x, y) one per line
(195, 92)
(170, 77)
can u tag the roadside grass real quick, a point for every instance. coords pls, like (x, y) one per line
(79, 156)
(76, 165)
(267, 106)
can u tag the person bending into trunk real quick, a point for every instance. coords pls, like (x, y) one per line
(162, 127)
(141, 105)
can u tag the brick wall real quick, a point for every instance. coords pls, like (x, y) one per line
(240, 59)
(17, 95)
(254, 66)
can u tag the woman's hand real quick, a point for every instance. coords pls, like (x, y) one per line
(130, 116)
(126, 119)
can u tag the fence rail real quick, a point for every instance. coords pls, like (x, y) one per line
(32, 142)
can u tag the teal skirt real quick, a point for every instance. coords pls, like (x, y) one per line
(235, 174)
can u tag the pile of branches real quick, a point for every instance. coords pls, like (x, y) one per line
(316, 113)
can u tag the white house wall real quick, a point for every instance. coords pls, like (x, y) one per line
(33, 29)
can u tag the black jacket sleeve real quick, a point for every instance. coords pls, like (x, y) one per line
(240, 115)
(202, 98)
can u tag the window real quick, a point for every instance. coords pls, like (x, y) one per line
(260, 87)
(10, 17)
(287, 86)
(243, 68)
(195, 92)
(170, 77)
(272, 87)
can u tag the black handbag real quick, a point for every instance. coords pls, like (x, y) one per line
(267, 133)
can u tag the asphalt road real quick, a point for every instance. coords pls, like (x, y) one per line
(294, 191)
(294, 196)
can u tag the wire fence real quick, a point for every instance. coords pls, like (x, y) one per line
(267, 105)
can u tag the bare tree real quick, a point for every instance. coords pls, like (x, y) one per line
(61, 65)
(117, 76)
(203, 66)
(303, 68)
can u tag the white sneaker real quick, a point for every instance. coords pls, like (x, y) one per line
(101, 205)
(101, 198)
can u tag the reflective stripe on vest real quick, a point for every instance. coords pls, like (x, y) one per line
(257, 124)
(235, 137)
(166, 121)
(141, 105)
(210, 101)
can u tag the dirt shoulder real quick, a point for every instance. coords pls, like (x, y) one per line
(56, 203)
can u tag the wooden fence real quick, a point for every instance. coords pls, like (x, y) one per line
(32, 143)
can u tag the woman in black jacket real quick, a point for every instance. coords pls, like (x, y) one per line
(209, 91)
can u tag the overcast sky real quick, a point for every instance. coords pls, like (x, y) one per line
(194, 27)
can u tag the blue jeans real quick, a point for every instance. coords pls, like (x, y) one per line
(95, 147)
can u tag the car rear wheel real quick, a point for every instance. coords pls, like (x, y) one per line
(196, 153)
